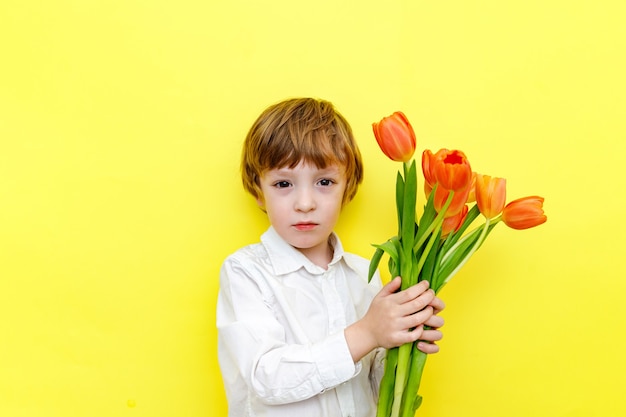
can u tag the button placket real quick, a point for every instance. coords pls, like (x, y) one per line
(337, 322)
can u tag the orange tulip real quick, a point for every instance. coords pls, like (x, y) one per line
(452, 169)
(456, 205)
(524, 213)
(395, 136)
(452, 224)
(472, 195)
(490, 195)
(428, 162)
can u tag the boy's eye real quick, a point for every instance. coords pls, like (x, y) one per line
(325, 182)
(282, 184)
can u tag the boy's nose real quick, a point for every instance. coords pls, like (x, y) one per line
(305, 200)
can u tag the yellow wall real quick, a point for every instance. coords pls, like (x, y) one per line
(120, 129)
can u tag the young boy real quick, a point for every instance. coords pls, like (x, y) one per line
(301, 332)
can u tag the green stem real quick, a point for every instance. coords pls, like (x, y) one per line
(459, 242)
(404, 357)
(385, 393)
(436, 223)
(471, 252)
(412, 399)
(450, 251)
(433, 228)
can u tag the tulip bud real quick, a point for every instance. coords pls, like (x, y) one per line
(490, 195)
(395, 136)
(524, 213)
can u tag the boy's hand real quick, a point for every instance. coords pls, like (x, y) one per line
(392, 315)
(432, 334)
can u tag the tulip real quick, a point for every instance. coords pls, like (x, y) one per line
(453, 223)
(490, 195)
(428, 162)
(459, 199)
(395, 136)
(524, 213)
(438, 244)
(452, 170)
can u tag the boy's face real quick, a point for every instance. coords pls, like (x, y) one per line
(303, 206)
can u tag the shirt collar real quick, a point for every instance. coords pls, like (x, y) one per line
(285, 258)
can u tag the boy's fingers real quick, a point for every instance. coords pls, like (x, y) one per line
(412, 292)
(437, 304)
(418, 303)
(431, 335)
(428, 347)
(435, 322)
(419, 318)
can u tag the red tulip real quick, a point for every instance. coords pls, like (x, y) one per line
(452, 169)
(524, 213)
(490, 195)
(395, 136)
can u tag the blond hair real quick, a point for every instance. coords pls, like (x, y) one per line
(300, 129)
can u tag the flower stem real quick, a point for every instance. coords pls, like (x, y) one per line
(385, 393)
(404, 357)
(436, 223)
(412, 399)
(476, 245)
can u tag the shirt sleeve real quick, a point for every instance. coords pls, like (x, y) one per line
(255, 343)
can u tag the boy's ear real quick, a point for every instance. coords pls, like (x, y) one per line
(260, 202)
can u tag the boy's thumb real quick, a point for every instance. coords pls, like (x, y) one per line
(392, 286)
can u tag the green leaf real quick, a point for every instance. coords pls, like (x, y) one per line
(392, 248)
(428, 216)
(453, 237)
(407, 236)
(429, 265)
(461, 253)
(378, 254)
(455, 257)
(394, 267)
(417, 403)
(399, 200)
(408, 207)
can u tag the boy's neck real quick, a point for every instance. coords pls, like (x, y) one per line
(321, 255)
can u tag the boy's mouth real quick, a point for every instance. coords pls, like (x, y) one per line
(304, 226)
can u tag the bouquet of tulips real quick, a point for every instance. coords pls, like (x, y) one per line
(435, 246)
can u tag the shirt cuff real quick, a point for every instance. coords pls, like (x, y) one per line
(334, 361)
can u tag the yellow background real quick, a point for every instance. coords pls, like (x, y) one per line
(121, 124)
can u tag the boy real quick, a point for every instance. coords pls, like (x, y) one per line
(301, 332)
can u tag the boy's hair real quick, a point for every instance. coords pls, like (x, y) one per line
(300, 129)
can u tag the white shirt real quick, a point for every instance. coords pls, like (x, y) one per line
(281, 344)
